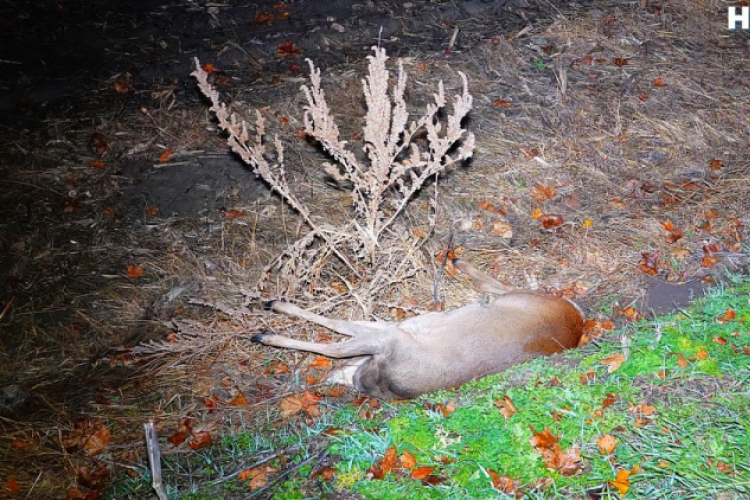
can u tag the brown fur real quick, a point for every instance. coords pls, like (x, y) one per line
(439, 350)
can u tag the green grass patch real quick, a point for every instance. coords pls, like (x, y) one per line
(691, 368)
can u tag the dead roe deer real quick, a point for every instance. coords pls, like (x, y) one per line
(443, 349)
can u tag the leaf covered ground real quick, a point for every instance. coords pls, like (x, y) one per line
(611, 161)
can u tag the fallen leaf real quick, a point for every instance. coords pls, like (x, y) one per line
(649, 263)
(151, 210)
(607, 444)
(327, 473)
(98, 164)
(609, 400)
(504, 483)
(98, 143)
(320, 362)
(123, 83)
(501, 229)
(97, 441)
(212, 403)
(614, 362)
(701, 354)
(631, 314)
(622, 481)
(209, 68)
(20, 444)
(658, 82)
(421, 472)
(367, 407)
(716, 164)
(288, 49)
(79, 494)
(587, 377)
(234, 214)
(723, 467)
(567, 463)
(201, 439)
(619, 61)
(277, 367)
(674, 233)
(13, 485)
(587, 223)
(267, 18)
(257, 477)
(502, 103)
(135, 271)
(544, 440)
(719, 340)
(542, 192)
(93, 478)
(165, 155)
(408, 461)
(709, 259)
(335, 391)
(552, 221)
(728, 316)
(452, 254)
(682, 361)
(643, 409)
(596, 327)
(388, 463)
(306, 402)
(238, 400)
(177, 438)
(537, 213)
(680, 253)
(442, 408)
(506, 406)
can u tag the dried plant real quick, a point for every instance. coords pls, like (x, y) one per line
(394, 159)
(396, 167)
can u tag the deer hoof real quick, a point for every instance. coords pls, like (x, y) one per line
(258, 337)
(268, 305)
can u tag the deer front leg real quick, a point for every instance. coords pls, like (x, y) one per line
(363, 345)
(349, 328)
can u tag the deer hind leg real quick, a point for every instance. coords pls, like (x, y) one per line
(363, 345)
(349, 328)
(482, 281)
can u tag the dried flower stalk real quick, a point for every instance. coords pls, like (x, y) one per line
(394, 162)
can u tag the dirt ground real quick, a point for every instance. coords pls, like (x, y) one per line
(613, 139)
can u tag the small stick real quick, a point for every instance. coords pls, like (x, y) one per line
(448, 251)
(154, 459)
